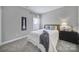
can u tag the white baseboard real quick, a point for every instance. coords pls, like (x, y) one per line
(6, 42)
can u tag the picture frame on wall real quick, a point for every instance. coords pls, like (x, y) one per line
(23, 23)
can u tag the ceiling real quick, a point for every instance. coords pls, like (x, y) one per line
(41, 9)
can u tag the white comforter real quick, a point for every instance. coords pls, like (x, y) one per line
(34, 37)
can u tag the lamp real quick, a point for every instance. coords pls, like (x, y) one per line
(63, 24)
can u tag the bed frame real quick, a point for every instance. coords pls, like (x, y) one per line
(52, 25)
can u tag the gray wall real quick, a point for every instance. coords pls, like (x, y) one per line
(55, 17)
(0, 24)
(78, 19)
(11, 22)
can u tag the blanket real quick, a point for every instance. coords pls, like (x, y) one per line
(44, 40)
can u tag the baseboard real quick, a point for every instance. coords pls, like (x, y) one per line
(3, 43)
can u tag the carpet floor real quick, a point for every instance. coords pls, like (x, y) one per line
(64, 46)
(24, 46)
(19, 46)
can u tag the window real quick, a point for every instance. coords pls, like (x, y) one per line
(35, 20)
(36, 23)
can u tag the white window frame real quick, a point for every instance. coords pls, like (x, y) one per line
(36, 22)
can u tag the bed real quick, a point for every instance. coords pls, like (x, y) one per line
(34, 37)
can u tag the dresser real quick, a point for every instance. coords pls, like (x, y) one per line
(69, 36)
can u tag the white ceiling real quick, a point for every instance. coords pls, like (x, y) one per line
(42, 9)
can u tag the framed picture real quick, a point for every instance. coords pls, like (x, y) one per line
(23, 23)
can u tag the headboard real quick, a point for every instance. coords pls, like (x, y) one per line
(52, 26)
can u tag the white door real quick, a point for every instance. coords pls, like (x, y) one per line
(0, 24)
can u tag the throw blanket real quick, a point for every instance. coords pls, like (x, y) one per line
(44, 40)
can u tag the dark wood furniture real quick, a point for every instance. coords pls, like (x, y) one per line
(71, 36)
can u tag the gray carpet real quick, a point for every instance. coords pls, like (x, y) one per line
(24, 46)
(64, 46)
(19, 46)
